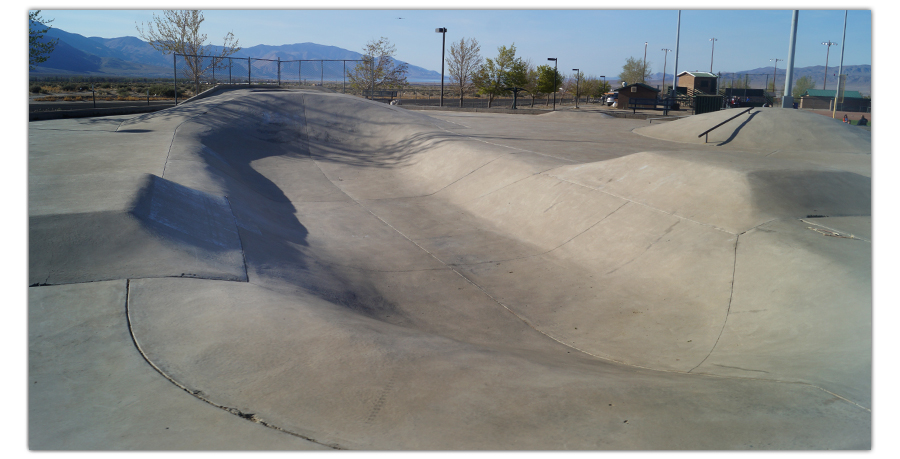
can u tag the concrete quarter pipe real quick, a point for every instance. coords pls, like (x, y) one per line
(283, 270)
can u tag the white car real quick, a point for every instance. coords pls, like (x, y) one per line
(611, 98)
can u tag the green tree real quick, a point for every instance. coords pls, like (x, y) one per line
(378, 68)
(464, 61)
(532, 83)
(549, 80)
(38, 48)
(603, 87)
(178, 31)
(634, 71)
(803, 84)
(497, 75)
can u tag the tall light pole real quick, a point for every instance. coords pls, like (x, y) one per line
(828, 44)
(644, 70)
(838, 97)
(443, 31)
(675, 69)
(555, 83)
(787, 98)
(665, 60)
(713, 54)
(774, 75)
(577, 78)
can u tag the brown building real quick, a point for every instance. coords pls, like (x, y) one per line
(704, 82)
(824, 99)
(635, 91)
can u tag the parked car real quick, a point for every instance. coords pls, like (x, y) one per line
(611, 98)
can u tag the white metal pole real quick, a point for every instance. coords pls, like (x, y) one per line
(787, 100)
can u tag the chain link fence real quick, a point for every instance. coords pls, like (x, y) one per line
(195, 73)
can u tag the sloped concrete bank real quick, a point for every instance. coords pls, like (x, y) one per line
(402, 286)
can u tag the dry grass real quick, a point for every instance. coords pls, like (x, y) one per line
(101, 98)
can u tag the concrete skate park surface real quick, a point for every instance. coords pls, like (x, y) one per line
(286, 269)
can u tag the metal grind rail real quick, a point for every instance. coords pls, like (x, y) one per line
(706, 133)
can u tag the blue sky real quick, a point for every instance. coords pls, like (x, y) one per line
(597, 41)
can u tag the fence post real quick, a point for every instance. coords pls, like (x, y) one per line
(279, 71)
(344, 80)
(229, 70)
(248, 72)
(322, 82)
(299, 73)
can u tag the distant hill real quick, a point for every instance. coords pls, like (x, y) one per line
(859, 77)
(132, 57)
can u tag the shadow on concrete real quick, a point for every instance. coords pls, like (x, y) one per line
(738, 129)
(250, 143)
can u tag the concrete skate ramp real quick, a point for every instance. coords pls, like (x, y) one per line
(412, 287)
(766, 128)
(164, 230)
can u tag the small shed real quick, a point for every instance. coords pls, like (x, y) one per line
(636, 91)
(704, 82)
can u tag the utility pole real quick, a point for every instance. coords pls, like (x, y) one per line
(840, 69)
(828, 44)
(644, 70)
(665, 60)
(713, 54)
(774, 77)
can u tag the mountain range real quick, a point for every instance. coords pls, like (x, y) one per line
(132, 57)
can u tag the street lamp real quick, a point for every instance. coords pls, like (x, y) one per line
(774, 75)
(712, 55)
(828, 44)
(665, 60)
(443, 31)
(577, 78)
(555, 83)
(644, 70)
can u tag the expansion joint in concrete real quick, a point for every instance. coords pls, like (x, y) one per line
(240, 241)
(643, 204)
(728, 309)
(199, 394)
(501, 145)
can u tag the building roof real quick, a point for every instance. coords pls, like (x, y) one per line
(831, 92)
(639, 84)
(696, 74)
